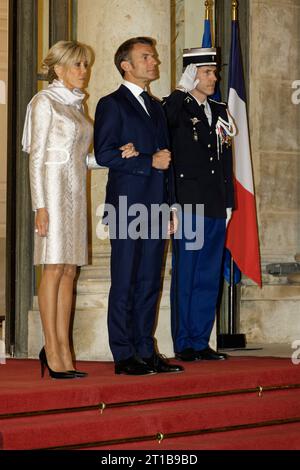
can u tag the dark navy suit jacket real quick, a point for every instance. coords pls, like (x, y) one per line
(121, 119)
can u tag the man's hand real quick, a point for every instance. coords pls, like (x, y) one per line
(161, 159)
(173, 223)
(42, 222)
(188, 79)
(128, 150)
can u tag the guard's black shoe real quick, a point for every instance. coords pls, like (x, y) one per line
(161, 365)
(187, 355)
(209, 354)
(132, 366)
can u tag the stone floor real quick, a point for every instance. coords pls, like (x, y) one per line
(259, 350)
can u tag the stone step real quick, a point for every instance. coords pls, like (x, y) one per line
(294, 278)
(102, 270)
(271, 314)
(90, 336)
(103, 251)
(268, 279)
(94, 294)
(97, 286)
(269, 292)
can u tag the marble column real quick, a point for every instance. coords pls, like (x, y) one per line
(104, 25)
(187, 31)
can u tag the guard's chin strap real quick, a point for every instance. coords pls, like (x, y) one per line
(224, 129)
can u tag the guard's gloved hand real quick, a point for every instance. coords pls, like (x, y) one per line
(228, 215)
(188, 81)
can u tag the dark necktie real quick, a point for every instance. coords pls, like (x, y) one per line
(205, 117)
(148, 103)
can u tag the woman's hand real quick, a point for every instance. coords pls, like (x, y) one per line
(42, 222)
(128, 150)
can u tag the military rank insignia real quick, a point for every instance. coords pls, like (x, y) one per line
(195, 134)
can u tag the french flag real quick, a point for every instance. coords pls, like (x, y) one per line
(242, 234)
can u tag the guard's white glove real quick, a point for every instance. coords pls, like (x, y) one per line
(228, 215)
(188, 79)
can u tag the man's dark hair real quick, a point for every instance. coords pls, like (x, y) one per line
(124, 51)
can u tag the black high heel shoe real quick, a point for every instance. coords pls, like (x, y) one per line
(78, 373)
(52, 373)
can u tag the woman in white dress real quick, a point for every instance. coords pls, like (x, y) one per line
(57, 136)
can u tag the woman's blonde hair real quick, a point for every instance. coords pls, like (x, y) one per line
(65, 53)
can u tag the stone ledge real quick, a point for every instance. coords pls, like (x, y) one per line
(269, 292)
(294, 278)
(269, 321)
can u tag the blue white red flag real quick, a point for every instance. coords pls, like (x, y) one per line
(242, 233)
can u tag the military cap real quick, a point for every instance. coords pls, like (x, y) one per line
(200, 56)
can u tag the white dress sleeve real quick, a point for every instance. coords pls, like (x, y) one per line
(40, 125)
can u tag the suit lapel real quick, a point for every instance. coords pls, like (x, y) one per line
(137, 106)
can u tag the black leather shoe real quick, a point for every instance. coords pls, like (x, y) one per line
(161, 365)
(132, 366)
(78, 374)
(52, 373)
(187, 355)
(210, 355)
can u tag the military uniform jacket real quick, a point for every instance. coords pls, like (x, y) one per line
(202, 174)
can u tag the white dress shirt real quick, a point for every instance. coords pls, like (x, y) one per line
(136, 91)
(207, 109)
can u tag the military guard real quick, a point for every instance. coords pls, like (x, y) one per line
(201, 131)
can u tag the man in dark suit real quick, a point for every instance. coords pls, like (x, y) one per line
(130, 115)
(201, 132)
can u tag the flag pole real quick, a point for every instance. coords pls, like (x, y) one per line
(234, 11)
(232, 339)
(207, 10)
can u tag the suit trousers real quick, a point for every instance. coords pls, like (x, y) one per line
(135, 286)
(195, 285)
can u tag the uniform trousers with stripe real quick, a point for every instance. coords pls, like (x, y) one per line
(195, 284)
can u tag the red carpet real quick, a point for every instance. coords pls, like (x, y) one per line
(280, 437)
(22, 390)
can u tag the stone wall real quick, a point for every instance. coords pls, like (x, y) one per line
(275, 124)
(271, 315)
